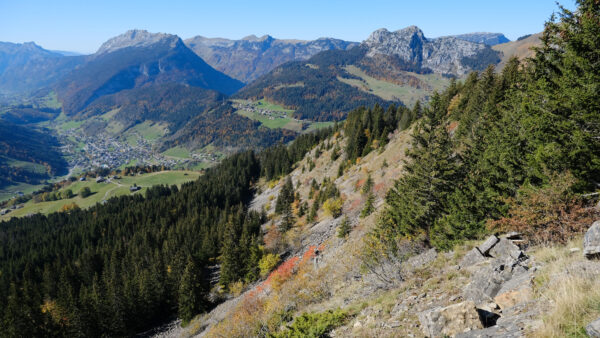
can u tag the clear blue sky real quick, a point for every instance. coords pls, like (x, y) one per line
(83, 25)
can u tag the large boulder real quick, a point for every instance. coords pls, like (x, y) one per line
(471, 258)
(517, 290)
(506, 249)
(450, 320)
(591, 242)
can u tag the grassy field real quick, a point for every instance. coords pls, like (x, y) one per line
(104, 191)
(9, 192)
(287, 122)
(149, 130)
(178, 152)
(390, 91)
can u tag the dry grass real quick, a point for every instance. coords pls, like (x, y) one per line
(574, 298)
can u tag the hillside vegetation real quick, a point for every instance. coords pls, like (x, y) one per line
(28, 156)
(361, 229)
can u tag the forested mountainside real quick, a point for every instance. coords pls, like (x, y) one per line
(137, 59)
(28, 156)
(139, 260)
(401, 67)
(498, 152)
(27, 67)
(251, 57)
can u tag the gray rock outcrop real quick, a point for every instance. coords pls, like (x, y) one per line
(450, 320)
(591, 241)
(445, 55)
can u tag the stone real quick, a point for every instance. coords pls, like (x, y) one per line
(591, 242)
(450, 320)
(471, 258)
(488, 244)
(422, 259)
(593, 329)
(506, 249)
(517, 290)
(513, 235)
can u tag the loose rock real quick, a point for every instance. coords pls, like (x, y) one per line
(593, 329)
(488, 244)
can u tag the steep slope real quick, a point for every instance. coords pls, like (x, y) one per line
(489, 39)
(521, 48)
(27, 67)
(28, 156)
(401, 67)
(249, 58)
(137, 59)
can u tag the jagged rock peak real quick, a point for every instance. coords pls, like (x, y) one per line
(257, 39)
(406, 35)
(136, 38)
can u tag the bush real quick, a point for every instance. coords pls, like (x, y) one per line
(333, 207)
(267, 263)
(85, 192)
(551, 213)
(314, 324)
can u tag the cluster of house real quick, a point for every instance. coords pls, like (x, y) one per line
(271, 114)
(7, 210)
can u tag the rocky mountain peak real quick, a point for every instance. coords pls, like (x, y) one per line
(137, 38)
(443, 55)
(490, 39)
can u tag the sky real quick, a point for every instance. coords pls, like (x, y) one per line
(83, 25)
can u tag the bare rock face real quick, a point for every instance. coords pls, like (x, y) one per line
(445, 55)
(136, 38)
(591, 242)
(450, 320)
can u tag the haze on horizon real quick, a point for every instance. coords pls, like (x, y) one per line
(82, 26)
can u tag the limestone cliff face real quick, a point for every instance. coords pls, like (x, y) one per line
(249, 58)
(446, 55)
(137, 38)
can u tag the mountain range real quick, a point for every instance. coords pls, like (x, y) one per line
(249, 58)
(190, 90)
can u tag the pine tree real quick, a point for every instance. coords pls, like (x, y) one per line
(190, 293)
(231, 264)
(418, 198)
(369, 205)
(344, 228)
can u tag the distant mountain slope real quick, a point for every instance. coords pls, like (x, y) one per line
(28, 156)
(190, 116)
(402, 67)
(520, 48)
(490, 39)
(27, 67)
(249, 58)
(313, 87)
(137, 59)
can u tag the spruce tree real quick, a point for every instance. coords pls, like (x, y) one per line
(190, 293)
